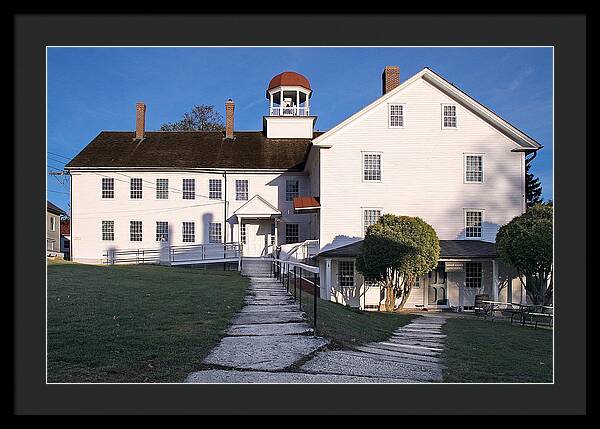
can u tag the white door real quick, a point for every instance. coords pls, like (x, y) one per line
(257, 234)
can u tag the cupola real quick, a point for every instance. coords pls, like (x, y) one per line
(289, 107)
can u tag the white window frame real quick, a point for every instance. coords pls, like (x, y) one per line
(106, 230)
(213, 228)
(346, 275)
(243, 232)
(160, 232)
(390, 105)
(364, 223)
(133, 233)
(290, 195)
(162, 190)
(133, 190)
(188, 189)
(481, 155)
(108, 188)
(466, 211)
(214, 194)
(52, 223)
(297, 235)
(188, 232)
(362, 160)
(240, 193)
(444, 127)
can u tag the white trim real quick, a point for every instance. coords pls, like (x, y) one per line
(482, 211)
(442, 105)
(464, 172)
(403, 105)
(362, 211)
(362, 163)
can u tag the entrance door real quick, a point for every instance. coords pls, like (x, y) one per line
(257, 235)
(437, 285)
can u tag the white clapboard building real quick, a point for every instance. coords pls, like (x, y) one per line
(424, 148)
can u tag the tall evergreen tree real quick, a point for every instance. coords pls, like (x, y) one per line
(533, 186)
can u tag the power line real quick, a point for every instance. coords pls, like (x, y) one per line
(62, 156)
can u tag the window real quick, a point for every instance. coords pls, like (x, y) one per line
(162, 231)
(346, 273)
(272, 233)
(396, 115)
(473, 274)
(448, 116)
(66, 244)
(162, 189)
(52, 223)
(108, 187)
(417, 284)
(136, 188)
(241, 190)
(372, 166)
(214, 189)
(291, 233)
(473, 168)
(135, 230)
(188, 232)
(214, 232)
(473, 221)
(370, 217)
(243, 233)
(189, 189)
(292, 189)
(108, 230)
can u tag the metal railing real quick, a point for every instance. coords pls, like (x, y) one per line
(303, 250)
(289, 111)
(176, 255)
(282, 270)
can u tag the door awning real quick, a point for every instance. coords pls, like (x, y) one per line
(306, 204)
(257, 207)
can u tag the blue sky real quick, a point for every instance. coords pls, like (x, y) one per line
(95, 89)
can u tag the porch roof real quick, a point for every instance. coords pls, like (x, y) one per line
(257, 206)
(306, 203)
(448, 249)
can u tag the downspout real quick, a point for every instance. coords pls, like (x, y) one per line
(225, 209)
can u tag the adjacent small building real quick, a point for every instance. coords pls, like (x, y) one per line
(53, 243)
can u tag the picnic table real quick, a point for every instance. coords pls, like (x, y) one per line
(534, 314)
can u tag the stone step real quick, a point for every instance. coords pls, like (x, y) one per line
(407, 360)
(270, 329)
(267, 317)
(414, 354)
(425, 350)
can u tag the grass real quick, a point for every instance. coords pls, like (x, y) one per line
(135, 323)
(348, 327)
(480, 351)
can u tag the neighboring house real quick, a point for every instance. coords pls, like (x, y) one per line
(65, 237)
(53, 214)
(424, 148)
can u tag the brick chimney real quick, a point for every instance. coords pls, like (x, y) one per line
(229, 106)
(390, 78)
(140, 120)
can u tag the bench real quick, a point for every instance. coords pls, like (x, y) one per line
(532, 314)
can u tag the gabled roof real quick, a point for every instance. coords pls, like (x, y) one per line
(257, 206)
(448, 249)
(525, 142)
(54, 208)
(192, 149)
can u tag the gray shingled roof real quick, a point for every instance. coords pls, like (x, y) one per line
(193, 149)
(448, 249)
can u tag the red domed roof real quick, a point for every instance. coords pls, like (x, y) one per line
(288, 78)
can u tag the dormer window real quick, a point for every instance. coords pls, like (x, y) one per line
(448, 115)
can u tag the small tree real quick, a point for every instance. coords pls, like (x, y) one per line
(395, 251)
(201, 118)
(526, 244)
(533, 187)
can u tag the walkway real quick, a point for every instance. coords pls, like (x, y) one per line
(269, 341)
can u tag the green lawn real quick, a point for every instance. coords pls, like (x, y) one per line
(482, 351)
(135, 323)
(348, 327)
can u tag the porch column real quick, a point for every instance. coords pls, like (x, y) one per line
(494, 280)
(328, 283)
